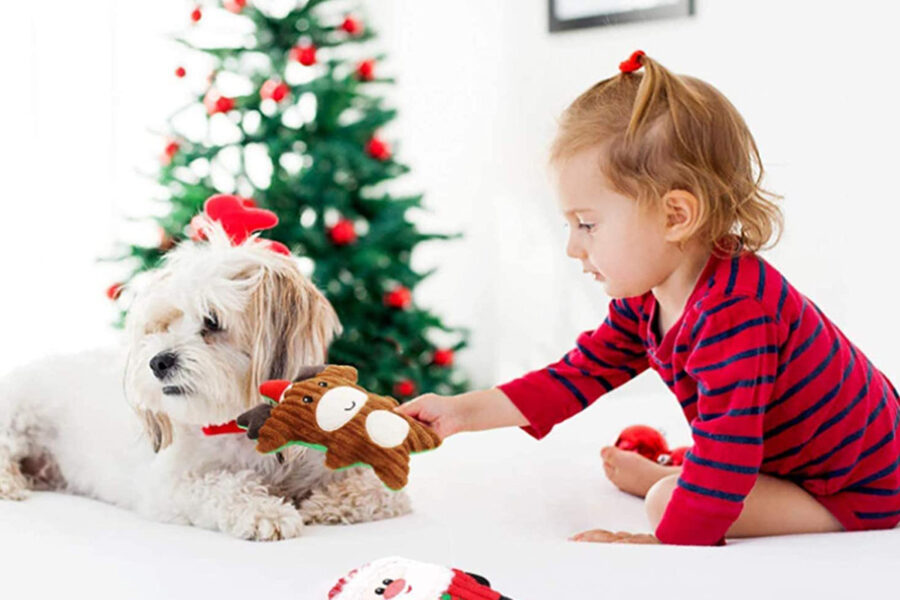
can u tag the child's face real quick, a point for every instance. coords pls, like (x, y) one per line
(616, 242)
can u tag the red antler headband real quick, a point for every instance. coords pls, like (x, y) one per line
(633, 63)
(239, 218)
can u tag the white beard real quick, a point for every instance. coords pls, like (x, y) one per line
(81, 423)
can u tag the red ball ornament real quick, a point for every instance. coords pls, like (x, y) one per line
(404, 388)
(305, 55)
(180, 72)
(169, 153)
(644, 440)
(196, 14)
(235, 6)
(400, 297)
(443, 358)
(378, 149)
(342, 233)
(274, 90)
(365, 71)
(352, 26)
(224, 104)
(114, 291)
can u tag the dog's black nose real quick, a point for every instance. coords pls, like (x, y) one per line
(163, 363)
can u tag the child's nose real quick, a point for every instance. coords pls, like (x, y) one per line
(573, 249)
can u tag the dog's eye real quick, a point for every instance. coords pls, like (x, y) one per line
(211, 323)
(307, 399)
(323, 384)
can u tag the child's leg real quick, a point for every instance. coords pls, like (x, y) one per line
(773, 507)
(631, 472)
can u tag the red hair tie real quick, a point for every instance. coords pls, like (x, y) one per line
(633, 63)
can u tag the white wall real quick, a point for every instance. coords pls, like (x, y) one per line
(479, 86)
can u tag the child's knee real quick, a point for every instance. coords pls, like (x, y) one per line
(658, 498)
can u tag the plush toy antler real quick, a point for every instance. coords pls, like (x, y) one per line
(239, 218)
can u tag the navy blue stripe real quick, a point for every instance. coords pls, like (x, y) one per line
(741, 383)
(732, 276)
(624, 332)
(762, 278)
(770, 349)
(877, 515)
(799, 349)
(631, 372)
(872, 491)
(796, 323)
(721, 465)
(734, 439)
(783, 297)
(710, 492)
(734, 330)
(734, 412)
(569, 386)
(785, 453)
(811, 410)
(802, 383)
(625, 311)
(882, 473)
(688, 401)
(626, 351)
(598, 378)
(712, 311)
(665, 366)
(856, 435)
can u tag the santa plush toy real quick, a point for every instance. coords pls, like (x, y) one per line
(400, 578)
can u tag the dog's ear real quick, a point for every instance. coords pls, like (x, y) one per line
(294, 324)
(158, 428)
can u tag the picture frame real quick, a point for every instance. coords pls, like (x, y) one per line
(566, 15)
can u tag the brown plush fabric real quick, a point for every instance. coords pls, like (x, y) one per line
(329, 410)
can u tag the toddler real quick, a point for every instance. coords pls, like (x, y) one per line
(794, 429)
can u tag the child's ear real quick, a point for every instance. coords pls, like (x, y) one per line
(343, 372)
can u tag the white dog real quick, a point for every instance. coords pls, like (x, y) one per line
(208, 327)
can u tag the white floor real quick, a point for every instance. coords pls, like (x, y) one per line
(495, 503)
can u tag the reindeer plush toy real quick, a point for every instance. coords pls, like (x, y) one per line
(325, 409)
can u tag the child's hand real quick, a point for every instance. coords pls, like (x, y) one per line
(608, 537)
(444, 414)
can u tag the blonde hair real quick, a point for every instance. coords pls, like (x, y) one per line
(659, 132)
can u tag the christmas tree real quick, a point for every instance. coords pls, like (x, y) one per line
(300, 136)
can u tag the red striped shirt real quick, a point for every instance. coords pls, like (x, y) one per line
(767, 382)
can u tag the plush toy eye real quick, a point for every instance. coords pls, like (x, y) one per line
(323, 384)
(387, 581)
(307, 399)
(379, 591)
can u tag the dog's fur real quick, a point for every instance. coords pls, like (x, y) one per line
(106, 424)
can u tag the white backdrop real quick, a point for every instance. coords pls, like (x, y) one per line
(479, 86)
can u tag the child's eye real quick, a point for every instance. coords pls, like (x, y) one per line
(586, 226)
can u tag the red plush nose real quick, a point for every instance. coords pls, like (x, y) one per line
(274, 388)
(395, 588)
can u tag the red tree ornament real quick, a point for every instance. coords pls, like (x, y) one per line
(378, 149)
(400, 297)
(443, 357)
(365, 71)
(169, 153)
(180, 72)
(650, 443)
(235, 6)
(305, 55)
(114, 291)
(342, 233)
(404, 387)
(352, 26)
(274, 90)
(196, 14)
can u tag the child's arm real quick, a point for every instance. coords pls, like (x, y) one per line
(472, 411)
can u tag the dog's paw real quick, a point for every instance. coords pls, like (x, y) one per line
(267, 520)
(357, 498)
(13, 486)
